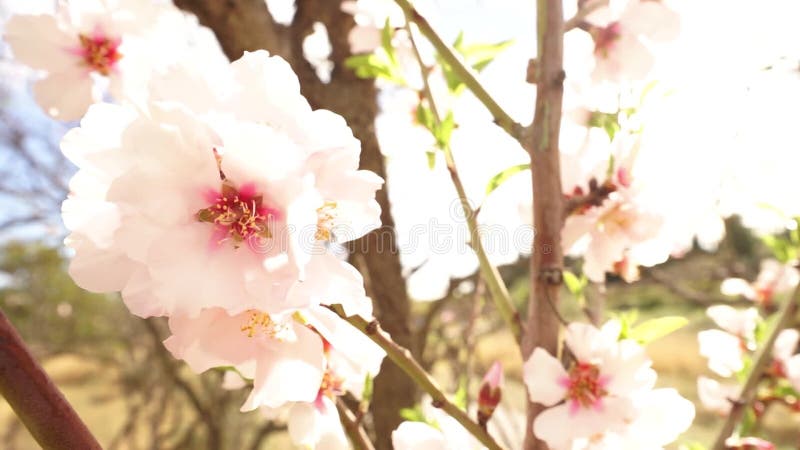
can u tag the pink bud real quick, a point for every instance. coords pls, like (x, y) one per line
(749, 443)
(490, 393)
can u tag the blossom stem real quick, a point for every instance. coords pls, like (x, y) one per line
(494, 282)
(35, 399)
(760, 364)
(355, 432)
(501, 117)
(588, 8)
(402, 357)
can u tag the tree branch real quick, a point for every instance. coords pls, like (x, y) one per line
(760, 363)
(495, 283)
(356, 434)
(35, 398)
(501, 117)
(402, 357)
(541, 141)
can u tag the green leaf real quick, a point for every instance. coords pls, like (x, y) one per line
(375, 65)
(504, 175)
(479, 56)
(692, 446)
(460, 397)
(386, 42)
(650, 330)
(426, 119)
(431, 155)
(626, 320)
(574, 284)
(414, 414)
(444, 130)
(366, 394)
(607, 121)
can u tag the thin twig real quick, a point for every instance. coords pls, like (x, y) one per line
(495, 283)
(355, 432)
(579, 17)
(464, 73)
(402, 357)
(760, 363)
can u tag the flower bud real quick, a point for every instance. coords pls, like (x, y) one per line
(490, 393)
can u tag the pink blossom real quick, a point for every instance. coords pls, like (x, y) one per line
(284, 358)
(91, 45)
(622, 33)
(716, 396)
(773, 279)
(596, 394)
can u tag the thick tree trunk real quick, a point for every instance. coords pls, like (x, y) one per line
(542, 327)
(247, 25)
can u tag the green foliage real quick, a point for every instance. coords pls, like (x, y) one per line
(369, 388)
(414, 414)
(460, 397)
(576, 285)
(607, 121)
(504, 175)
(383, 63)
(477, 56)
(650, 330)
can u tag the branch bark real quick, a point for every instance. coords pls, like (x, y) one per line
(541, 141)
(35, 398)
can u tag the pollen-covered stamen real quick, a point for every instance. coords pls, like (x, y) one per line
(261, 324)
(100, 52)
(332, 385)
(605, 38)
(326, 214)
(239, 213)
(585, 386)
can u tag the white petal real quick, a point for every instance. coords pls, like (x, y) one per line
(65, 95)
(542, 374)
(40, 43)
(418, 436)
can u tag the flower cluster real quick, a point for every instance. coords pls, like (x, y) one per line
(212, 203)
(731, 349)
(605, 398)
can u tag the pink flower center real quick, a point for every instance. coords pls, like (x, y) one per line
(605, 38)
(585, 386)
(99, 52)
(331, 386)
(238, 214)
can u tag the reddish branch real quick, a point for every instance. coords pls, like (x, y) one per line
(541, 141)
(35, 399)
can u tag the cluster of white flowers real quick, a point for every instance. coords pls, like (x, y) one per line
(210, 193)
(730, 348)
(605, 399)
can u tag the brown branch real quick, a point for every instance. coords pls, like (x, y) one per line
(760, 363)
(35, 398)
(356, 434)
(584, 10)
(541, 141)
(402, 357)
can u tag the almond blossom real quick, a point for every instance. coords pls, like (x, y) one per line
(91, 45)
(607, 234)
(716, 396)
(218, 209)
(597, 394)
(439, 432)
(725, 349)
(622, 32)
(773, 279)
(284, 358)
